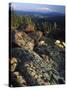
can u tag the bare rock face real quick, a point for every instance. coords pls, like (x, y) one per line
(34, 69)
(31, 66)
(23, 40)
(56, 54)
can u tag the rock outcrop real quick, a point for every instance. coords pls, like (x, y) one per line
(34, 64)
(22, 39)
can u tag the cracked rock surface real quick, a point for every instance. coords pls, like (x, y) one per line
(34, 64)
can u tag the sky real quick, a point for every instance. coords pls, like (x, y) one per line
(38, 7)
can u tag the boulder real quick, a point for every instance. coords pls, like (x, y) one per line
(21, 39)
(13, 64)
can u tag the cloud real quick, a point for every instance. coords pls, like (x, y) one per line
(43, 9)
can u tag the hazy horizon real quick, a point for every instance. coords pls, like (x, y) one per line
(38, 7)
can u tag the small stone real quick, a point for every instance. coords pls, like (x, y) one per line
(26, 65)
(33, 73)
(64, 43)
(31, 65)
(13, 60)
(31, 69)
(21, 80)
(34, 67)
(36, 76)
(40, 75)
(57, 41)
(16, 73)
(13, 67)
(46, 76)
(41, 43)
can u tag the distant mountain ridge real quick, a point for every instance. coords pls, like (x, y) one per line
(40, 13)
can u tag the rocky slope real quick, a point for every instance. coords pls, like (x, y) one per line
(35, 60)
